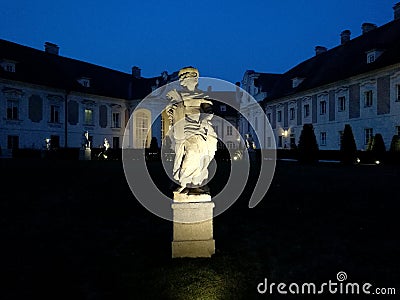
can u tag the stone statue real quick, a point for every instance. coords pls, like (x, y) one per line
(194, 139)
(85, 140)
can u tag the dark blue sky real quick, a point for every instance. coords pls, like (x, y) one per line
(221, 38)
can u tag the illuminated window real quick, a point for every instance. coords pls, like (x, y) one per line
(12, 109)
(322, 138)
(368, 135)
(142, 128)
(322, 107)
(54, 114)
(342, 103)
(88, 116)
(368, 98)
(116, 120)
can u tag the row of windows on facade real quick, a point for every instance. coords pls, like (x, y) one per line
(283, 140)
(368, 102)
(55, 113)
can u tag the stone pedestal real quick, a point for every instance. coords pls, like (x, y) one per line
(193, 226)
(85, 154)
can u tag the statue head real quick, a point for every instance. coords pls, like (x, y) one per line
(189, 77)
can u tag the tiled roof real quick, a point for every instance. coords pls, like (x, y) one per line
(344, 61)
(42, 68)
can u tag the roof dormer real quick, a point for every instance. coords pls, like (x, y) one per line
(372, 55)
(84, 81)
(8, 65)
(296, 81)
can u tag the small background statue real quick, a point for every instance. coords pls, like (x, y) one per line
(193, 138)
(85, 140)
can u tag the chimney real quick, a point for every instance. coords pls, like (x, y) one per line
(396, 10)
(366, 27)
(319, 50)
(51, 48)
(345, 36)
(136, 72)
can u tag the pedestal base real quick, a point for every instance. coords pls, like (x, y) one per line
(193, 228)
(85, 154)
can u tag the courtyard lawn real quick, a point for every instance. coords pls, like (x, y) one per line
(73, 230)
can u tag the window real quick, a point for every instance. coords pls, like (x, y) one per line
(54, 114)
(370, 58)
(306, 110)
(269, 141)
(342, 103)
(322, 107)
(142, 128)
(280, 141)
(322, 138)
(84, 81)
(12, 110)
(230, 145)
(116, 142)
(116, 120)
(228, 130)
(279, 116)
(398, 92)
(291, 113)
(368, 98)
(88, 116)
(8, 66)
(368, 135)
(12, 142)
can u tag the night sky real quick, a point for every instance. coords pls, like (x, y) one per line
(222, 39)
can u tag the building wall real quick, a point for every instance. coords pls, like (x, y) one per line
(34, 123)
(383, 116)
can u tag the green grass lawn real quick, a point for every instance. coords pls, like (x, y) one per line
(73, 230)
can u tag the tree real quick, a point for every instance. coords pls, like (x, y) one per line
(394, 151)
(395, 144)
(348, 146)
(308, 147)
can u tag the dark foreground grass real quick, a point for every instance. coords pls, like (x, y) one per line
(73, 230)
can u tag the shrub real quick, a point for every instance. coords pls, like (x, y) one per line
(308, 148)
(348, 146)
